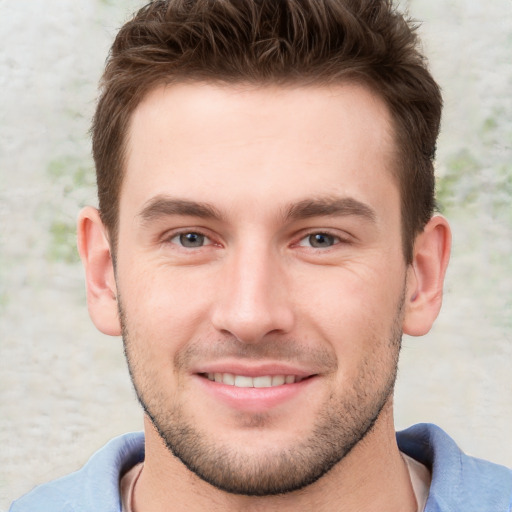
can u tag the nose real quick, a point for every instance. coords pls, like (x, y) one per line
(253, 301)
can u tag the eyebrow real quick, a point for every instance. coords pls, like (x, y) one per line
(165, 206)
(330, 206)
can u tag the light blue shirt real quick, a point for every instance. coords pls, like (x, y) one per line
(459, 483)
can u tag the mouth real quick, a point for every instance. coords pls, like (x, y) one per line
(244, 381)
(256, 390)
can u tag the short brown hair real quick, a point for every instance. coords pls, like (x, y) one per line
(274, 42)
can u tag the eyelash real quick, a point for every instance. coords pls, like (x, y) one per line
(169, 239)
(175, 239)
(337, 240)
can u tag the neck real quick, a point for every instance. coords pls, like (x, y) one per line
(373, 476)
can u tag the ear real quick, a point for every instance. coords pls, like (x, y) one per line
(94, 249)
(425, 276)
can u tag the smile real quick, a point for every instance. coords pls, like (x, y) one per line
(256, 390)
(243, 381)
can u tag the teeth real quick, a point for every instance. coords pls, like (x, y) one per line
(279, 380)
(242, 381)
(228, 378)
(263, 382)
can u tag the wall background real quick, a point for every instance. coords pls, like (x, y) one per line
(64, 390)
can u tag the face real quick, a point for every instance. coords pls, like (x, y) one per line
(260, 276)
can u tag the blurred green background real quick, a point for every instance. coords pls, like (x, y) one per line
(64, 390)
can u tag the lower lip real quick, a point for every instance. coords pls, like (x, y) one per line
(254, 399)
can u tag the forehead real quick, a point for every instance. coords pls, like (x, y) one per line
(253, 145)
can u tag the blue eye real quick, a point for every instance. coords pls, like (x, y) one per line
(190, 240)
(319, 240)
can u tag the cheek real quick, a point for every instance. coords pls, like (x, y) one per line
(353, 309)
(164, 307)
(355, 291)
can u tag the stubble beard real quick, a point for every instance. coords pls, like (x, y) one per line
(343, 422)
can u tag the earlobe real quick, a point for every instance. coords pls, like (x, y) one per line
(94, 249)
(426, 277)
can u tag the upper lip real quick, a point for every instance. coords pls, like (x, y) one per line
(253, 370)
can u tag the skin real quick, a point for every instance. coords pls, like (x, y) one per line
(264, 174)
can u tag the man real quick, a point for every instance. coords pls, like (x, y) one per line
(265, 235)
